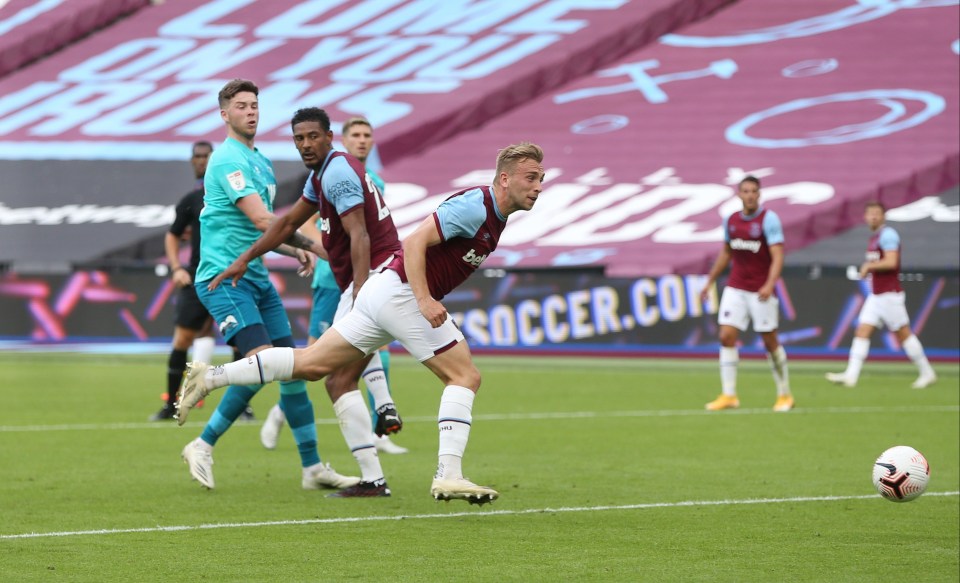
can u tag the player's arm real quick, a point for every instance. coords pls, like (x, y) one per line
(773, 275)
(415, 265)
(171, 245)
(264, 220)
(773, 232)
(719, 265)
(355, 225)
(277, 230)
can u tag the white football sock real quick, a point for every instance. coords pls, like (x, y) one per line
(914, 350)
(454, 419)
(778, 364)
(351, 410)
(729, 359)
(376, 380)
(859, 350)
(203, 349)
(272, 364)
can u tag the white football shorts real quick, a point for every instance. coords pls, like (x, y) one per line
(386, 310)
(887, 309)
(738, 308)
(346, 297)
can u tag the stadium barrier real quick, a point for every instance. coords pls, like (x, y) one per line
(501, 311)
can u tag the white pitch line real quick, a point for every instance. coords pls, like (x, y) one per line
(526, 416)
(479, 513)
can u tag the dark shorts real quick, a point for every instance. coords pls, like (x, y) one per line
(190, 312)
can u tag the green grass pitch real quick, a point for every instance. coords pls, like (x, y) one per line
(608, 469)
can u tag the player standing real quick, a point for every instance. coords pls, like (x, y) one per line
(357, 138)
(193, 324)
(403, 302)
(238, 201)
(753, 241)
(886, 304)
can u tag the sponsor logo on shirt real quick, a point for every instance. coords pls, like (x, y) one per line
(873, 256)
(473, 259)
(745, 245)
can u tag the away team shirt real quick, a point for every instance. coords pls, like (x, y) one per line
(750, 238)
(322, 274)
(470, 224)
(885, 239)
(345, 187)
(234, 171)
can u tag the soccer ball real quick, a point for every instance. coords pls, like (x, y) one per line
(901, 474)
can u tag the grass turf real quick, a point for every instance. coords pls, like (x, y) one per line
(608, 470)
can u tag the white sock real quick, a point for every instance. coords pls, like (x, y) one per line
(272, 364)
(203, 349)
(376, 380)
(859, 350)
(351, 410)
(729, 358)
(454, 419)
(778, 364)
(914, 350)
(200, 444)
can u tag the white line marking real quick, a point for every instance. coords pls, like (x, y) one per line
(683, 504)
(524, 416)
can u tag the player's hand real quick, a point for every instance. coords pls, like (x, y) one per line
(433, 311)
(864, 270)
(234, 272)
(705, 293)
(181, 277)
(307, 263)
(764, 293)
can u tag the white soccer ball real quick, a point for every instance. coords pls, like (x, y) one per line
(901, 474)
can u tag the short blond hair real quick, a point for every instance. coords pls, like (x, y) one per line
(354, 121)
(508, 157)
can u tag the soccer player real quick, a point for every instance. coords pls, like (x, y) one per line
(193, 324)
(238, 201)
(753, 242)
(357, 138)
(886, 304)
(403, 302)
(359, 236)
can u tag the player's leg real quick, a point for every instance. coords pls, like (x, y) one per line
(461, 380)
(190, 318)
(444, 351)
(766, 320)
(383, 410)
(384, 416)
(321, 317)
(868, 321)
(204, 343)
(777, 358)
(357, 430)
(242, 326)
(297, 407)
(914, 349)
(733, 318)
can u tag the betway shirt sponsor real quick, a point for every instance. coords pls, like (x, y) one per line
(342, 186)
(470, 224)
(750, 238)
(884, 240)
(234, 171)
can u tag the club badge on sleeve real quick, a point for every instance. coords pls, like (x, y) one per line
(237, 180)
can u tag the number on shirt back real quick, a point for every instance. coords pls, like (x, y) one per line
(382, 210)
